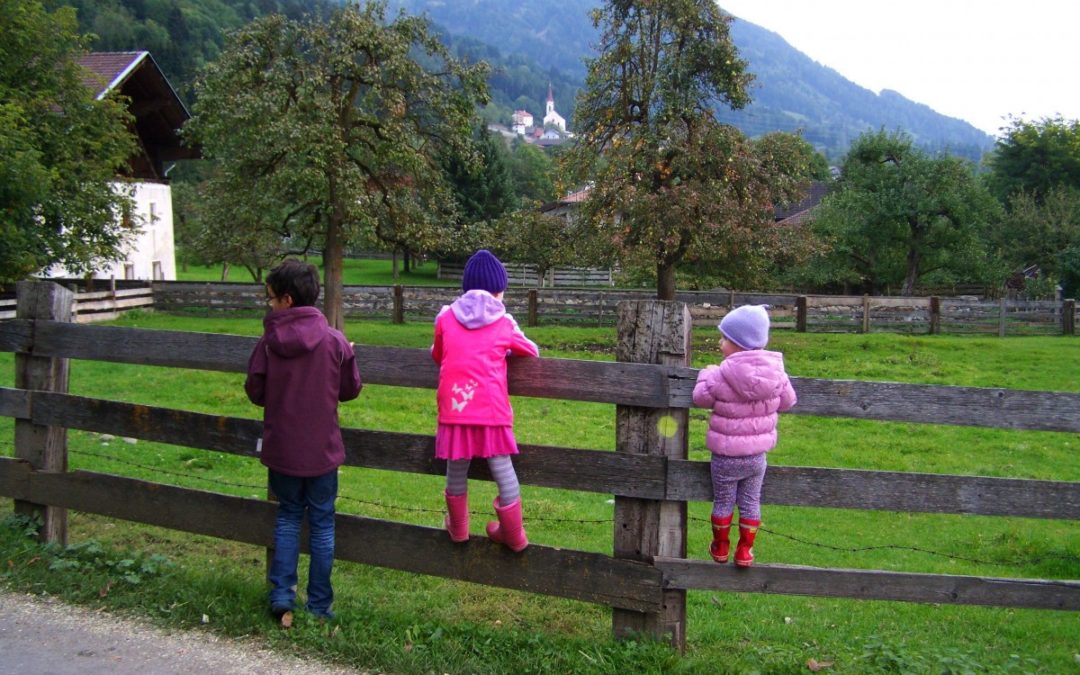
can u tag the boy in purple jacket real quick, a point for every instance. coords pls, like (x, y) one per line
(298, 372)
(745, 393)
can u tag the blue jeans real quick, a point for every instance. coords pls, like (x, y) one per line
(316, 495)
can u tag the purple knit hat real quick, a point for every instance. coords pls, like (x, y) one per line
(484, 272)
(747, 326)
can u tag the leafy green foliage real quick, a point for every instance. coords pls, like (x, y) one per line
(668, 183)
(897, 215)
(61, 150)
(333, 133)
(1035, 157)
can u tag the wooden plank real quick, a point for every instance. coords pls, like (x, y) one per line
(15, 403)
(634, 384)
(16, 335)
(579, 575)
(872, 584)
(922, 403)
(893, 491)
(545, 466)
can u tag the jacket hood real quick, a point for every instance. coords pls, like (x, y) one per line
(759, 374)
(477, 308)
(294, 331)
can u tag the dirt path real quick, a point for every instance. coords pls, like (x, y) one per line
(41, 635)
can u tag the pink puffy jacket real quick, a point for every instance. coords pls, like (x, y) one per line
(745, 392)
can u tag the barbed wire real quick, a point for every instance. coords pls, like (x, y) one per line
(599, 521)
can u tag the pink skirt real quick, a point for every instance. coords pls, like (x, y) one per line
(468, 441)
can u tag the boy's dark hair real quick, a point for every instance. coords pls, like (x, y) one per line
(299, 280)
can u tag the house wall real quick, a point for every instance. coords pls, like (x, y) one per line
(152, 255)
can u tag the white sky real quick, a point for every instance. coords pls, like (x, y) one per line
(980, 61)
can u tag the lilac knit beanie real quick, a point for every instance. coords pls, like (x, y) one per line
(484, 272)
(747, 326)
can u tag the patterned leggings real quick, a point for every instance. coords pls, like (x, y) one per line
(502, 470)
(737, 480)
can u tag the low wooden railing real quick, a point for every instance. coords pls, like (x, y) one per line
(646, 576)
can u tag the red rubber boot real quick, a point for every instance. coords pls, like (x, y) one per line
(457, 517)
(744, 551)
(721, 544)
(509, 531)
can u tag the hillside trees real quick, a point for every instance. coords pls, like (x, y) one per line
(897, 214)
(1035, 172)
(332, 132)
(61, 150)
(667, 181)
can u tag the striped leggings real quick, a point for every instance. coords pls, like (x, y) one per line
(502, 470)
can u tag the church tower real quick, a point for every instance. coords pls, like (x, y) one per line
(552, 118)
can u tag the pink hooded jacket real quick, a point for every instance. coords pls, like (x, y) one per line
(473, 337)
(745, 392)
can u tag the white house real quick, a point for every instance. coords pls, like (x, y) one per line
(159, 114)
(522, 121)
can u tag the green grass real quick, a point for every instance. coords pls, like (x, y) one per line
(403, 623)
(356, 272)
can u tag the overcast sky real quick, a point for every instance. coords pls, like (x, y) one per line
(978, 61)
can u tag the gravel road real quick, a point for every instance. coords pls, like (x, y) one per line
(42, 636)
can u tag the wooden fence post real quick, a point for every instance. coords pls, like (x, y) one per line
(399, 305)
(44, 447)
(1001, 317)
(865, 314)
(935, 315)
(1068, 317)
(800, 314)
(652, 331)
(531, 320)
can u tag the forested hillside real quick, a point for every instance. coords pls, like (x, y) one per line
(791, 90)
(533, 44)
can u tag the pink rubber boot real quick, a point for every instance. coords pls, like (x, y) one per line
(457, 517)
(509, 530)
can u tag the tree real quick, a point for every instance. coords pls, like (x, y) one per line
(532, 171)
(1034, 157)
(897, 214)
(484, 190)
(331, 131)
(61, 150)
(668, 182)
(1038, 228)
(538, 239)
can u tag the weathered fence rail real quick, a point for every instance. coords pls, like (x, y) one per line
(534, 306)
(645, 578)
(103, 305)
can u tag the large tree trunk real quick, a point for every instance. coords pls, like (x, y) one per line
(393, 266)
(665, 281)
(333, 259)
(912, 276)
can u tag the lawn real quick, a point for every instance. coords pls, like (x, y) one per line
(355, 272)
(404, 623)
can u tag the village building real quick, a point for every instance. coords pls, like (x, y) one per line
(159, 114)
(552, 118)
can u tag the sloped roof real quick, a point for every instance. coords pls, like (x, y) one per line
(817, 191)
(159, 113)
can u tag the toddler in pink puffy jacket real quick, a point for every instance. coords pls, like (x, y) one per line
(745, 392)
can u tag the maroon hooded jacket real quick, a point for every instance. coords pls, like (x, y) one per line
(299, 370)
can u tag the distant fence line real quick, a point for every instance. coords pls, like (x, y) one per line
(521, 274)
(535, 306)
(804, 313)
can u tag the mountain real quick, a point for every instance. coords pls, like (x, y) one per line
(791, 91)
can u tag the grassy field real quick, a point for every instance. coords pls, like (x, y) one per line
(358, 272)
(403, 623)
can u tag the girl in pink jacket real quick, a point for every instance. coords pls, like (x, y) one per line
(473, 337)
(745, 393)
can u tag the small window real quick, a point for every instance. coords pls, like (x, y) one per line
(158, 274)
(129, 270)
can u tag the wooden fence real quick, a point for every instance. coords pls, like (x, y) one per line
(104, 305)
(521, 274)
(645, 578)
(535, 306)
